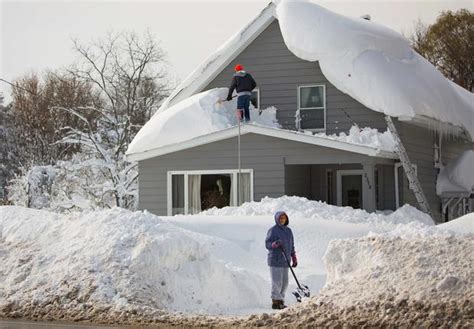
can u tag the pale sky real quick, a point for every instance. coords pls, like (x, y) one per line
(36, 35)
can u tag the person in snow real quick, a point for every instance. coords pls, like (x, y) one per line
(243, 83)
(280, 240)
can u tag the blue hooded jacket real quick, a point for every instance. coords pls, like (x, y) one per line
(279, 232)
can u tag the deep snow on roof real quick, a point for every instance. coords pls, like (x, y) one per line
(370, 62)
(202, 119)
(373, 64)
(198, 115)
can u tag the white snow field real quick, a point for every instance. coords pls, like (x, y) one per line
(213, 262)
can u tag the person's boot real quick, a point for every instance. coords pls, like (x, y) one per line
(281, 305)
(275, 304)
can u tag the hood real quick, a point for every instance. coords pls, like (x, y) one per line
(240, 74)
(278, 214)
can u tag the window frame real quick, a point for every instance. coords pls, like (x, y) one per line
(312, 108)
(258, 97)
(233, 172)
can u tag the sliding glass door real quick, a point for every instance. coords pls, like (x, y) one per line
(190, 192)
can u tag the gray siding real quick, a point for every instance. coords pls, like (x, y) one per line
(265, 155)
(298, 181)
(452, 147)
(278, 73)
(386, 187)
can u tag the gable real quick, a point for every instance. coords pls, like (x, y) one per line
(279, 72)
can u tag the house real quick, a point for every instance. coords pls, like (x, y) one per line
(193, 169)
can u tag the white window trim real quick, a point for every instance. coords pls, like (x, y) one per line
(312, 108)
(186, 173)
(350, 172)
(258, 97)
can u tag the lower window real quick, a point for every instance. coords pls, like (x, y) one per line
(190, 192)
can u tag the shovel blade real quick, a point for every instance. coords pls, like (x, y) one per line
(301, 293)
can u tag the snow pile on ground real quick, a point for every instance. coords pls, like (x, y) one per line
(301, 207)
(421, 264)
(373, 64)
(365, 136)
(461, 225)
(198, 115)
(119, 266)
(457, 175)
(116, 258)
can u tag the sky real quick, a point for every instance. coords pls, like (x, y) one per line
(37, 35)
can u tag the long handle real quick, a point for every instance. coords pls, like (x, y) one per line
(220, 101)
(289, 265)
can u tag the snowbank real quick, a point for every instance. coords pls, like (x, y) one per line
(461, 225)
(373, 64)
(195, 116)
(303, 208)
(410, 262)
(112, 263)
(431, 267)
(458, 175)
(117, 258)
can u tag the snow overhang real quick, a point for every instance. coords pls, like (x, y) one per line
(454, 110)
(266, 131)
(457, 177)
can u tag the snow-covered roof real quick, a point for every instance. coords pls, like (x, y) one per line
(319, 140)
(202, 119)
(370, 62)
(457, 177)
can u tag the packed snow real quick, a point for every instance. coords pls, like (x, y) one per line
(423, 264)
(373, 64)
(458, 175)
(198, 115)
(118, 258)
(214, 262)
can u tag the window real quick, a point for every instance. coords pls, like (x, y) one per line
(190, 192)
(312, 107)
(255, 98)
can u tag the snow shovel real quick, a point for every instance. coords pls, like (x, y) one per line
(302, 290)
(220, 101)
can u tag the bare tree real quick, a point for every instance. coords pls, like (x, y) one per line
(448, 45)
(128, 73)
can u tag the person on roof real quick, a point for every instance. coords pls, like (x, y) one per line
(280, 240)
(243, 83)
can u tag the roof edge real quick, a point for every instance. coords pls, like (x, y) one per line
(266, 131)
(214, 64)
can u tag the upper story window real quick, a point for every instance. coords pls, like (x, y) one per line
(255, 98)
(312, 107)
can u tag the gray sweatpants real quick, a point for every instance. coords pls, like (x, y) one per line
(279, 277)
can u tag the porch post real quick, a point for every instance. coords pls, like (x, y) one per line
(368, 187)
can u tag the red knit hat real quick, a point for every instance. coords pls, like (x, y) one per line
(238, 67)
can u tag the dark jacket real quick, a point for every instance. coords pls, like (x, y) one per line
(243, 83)
(283, 233)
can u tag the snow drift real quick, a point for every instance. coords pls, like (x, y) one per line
(405, 264)
(117, 258)
(373, 64)
(300, 207)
